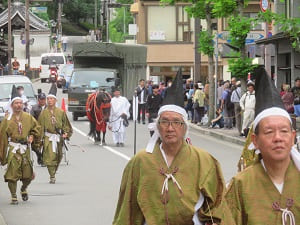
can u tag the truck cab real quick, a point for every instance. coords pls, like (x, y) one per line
(85, 81)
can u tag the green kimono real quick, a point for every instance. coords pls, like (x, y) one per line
(19, 164)
(58, 125)
(248, 156)
(141, 199)
(252, 193)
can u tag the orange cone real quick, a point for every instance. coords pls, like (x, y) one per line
(63, 105)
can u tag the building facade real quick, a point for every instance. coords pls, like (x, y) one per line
(170, 37)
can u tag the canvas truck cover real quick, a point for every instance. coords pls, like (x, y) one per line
(85, 54)
(130, 61)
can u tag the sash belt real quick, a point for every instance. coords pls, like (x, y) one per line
(54, 138)
(18, 146)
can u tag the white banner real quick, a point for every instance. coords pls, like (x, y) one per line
(134, 107)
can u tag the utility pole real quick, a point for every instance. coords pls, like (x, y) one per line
(124, 20)
(96, 15)
(27, 29)
(59, 28)
(9, 37)
(197, 54)
(107, 21)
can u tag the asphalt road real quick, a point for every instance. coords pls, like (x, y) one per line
(87, 188)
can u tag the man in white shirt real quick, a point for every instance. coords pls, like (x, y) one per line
(64, 40)
(119, 113)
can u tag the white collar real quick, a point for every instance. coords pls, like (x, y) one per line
(164, 155)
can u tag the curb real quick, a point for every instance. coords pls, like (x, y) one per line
(218, 135)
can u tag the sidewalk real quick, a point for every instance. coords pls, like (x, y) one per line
(230, 135)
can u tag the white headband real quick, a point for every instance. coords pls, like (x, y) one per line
(155, 136)
(274, 111)
(173, 108)
(16, 98)
(51, 96)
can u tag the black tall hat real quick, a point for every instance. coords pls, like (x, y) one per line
(174, 94)
(14, 94)
(53, 90)
(266, 94)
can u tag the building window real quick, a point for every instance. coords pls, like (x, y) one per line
(183, 24)
(258, 26)
(168, 24)
(161, 24)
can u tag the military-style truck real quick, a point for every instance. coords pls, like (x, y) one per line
(104, 66)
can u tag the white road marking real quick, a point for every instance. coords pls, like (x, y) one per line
(106, 147)
(116, 152)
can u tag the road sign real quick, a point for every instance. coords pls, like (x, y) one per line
(264, 5)
(39, 9)
(251, 37)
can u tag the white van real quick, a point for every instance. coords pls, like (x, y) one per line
(46, 60)
(6, 84)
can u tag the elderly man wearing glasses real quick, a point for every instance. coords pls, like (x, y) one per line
(172, 182)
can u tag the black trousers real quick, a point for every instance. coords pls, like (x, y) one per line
(143, 108)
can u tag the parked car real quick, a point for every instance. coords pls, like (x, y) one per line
(47, 59)
(65, 76)
(6, 84)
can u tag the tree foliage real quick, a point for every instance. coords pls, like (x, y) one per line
(239, 66)
(76, 10)
(239, 27)
(116, 25)
(206, 46)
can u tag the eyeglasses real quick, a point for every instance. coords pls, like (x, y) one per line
(167, 123)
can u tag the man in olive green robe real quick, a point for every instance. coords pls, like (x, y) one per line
(197, 173)
(252, 195)
(172, 182)
(17, 131)
(159, 187)
(55, 128)
(268, 192)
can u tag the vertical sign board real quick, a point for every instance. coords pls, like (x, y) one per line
(135, 107)
(264, 5)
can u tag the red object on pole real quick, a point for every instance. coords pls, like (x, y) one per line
(63, 105)
(249, 76)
